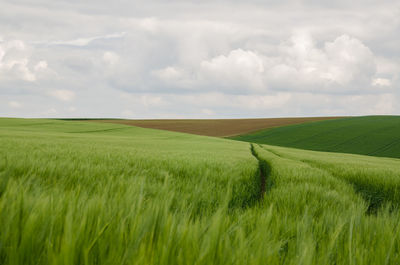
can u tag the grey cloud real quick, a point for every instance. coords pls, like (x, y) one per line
(80, 42)
(168, 53)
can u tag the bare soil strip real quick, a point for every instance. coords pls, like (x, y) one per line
(216, 127)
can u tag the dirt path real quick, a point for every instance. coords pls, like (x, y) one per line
(265, 171)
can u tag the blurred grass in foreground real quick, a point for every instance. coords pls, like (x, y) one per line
(86, 193)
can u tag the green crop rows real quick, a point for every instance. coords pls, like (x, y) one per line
(369, 135)
(86, 193)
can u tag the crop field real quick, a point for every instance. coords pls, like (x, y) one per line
(76, 192)
(219, 127)
(369, 135)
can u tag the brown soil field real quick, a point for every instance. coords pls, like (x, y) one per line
(217, 127)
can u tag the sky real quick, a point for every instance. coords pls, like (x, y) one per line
(199, 59)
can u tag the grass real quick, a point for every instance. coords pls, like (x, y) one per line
(87, 193)
(217, 127)
(369, 135)
(342, 229)
(378, 181)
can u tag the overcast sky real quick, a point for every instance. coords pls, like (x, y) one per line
(199, 59)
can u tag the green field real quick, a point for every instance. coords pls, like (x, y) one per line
(369, 135)
(87, 193)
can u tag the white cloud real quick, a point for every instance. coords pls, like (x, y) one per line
(150, 24)
(110, 58)
(13, 63)
(238, 71)
(216, 104)
(14, 104)
(385, 104)
(62, 94)
(381, 82)
(176, 77)
(243, 69)
(349, 60)
(40, 66)
(81, 42)
(19, 70)
(169, 73)
(208, 112)
(128, 114)
(51, 112)
(343, 65)
(18, 45)
(2, 53)
(192, 59)
(16, 62)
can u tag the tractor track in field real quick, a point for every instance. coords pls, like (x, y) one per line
(373, 198)
(265, 170)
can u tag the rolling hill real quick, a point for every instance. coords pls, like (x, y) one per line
(368, 135)
(214, 127)
(95, 193)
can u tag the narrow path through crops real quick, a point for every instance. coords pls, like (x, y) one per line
(265, 171)
(374, 198)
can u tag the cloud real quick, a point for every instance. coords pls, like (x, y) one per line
(199, 59)
(238, 69)
(40, 66)
(110, 58)
(62, 94)
(344, 65)
(49, 112)
(16, 62)
(381, 82)
(208, 112)
(71, 109)
(349, 60)
(81, 42)
(340, 66)
(14, 104)
(127, 114)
